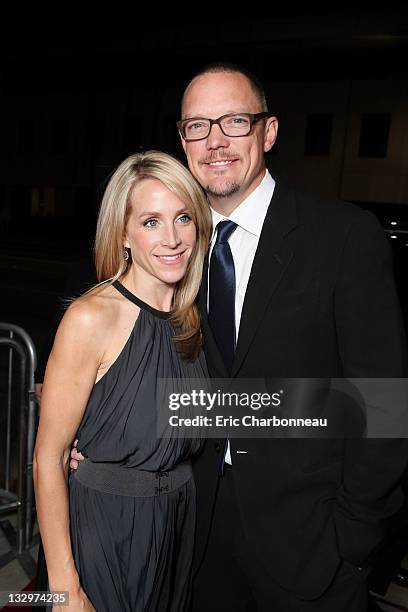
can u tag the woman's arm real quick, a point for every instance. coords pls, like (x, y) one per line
(70, 375)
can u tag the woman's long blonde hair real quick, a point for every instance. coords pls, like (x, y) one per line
(110, 231)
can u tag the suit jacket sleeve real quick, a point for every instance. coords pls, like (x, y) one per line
(372, 344)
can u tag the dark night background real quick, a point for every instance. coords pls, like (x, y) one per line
(79, 95)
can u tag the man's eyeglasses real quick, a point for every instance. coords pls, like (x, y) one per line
(233, 124)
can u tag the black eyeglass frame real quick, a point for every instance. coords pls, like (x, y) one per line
(253, 118)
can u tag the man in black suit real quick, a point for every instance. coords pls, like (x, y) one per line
(296, 287)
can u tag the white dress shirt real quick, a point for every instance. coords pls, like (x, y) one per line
(249, 216)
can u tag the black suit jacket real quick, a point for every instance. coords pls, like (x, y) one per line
(320, 303)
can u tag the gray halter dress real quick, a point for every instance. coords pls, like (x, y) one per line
(132, 500)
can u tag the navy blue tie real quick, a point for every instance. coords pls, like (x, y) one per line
(221, 312)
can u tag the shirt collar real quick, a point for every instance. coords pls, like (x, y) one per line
(251, 213)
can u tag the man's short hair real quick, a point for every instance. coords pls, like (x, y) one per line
(217, 67)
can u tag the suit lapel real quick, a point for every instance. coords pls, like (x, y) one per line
(271, 260)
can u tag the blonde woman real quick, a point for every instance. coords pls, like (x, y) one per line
(119, 536)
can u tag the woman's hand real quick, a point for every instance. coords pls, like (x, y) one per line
(78, 602)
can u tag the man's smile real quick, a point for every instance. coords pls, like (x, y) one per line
(217, 164)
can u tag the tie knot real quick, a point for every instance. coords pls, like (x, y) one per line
(224, 231)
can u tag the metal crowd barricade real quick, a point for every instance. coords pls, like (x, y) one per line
(19, 343)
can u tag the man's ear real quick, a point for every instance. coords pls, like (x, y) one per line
(271, 132)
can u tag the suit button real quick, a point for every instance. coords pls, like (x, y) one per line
(217, 447)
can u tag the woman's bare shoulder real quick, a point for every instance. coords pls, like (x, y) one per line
(93, 313)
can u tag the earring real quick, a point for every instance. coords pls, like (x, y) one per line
(125, 254)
